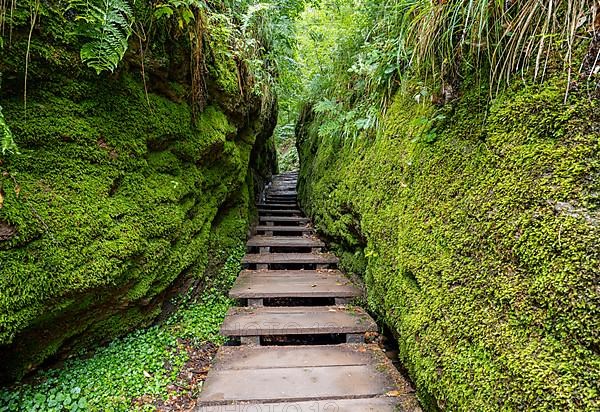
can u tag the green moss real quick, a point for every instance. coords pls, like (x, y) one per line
(120, 193)
(222, 65)
(111, 200)
(482, 247)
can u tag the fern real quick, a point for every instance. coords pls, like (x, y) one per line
(107, 26)
(6, 137)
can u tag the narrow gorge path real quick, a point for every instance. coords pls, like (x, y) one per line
(301, 344)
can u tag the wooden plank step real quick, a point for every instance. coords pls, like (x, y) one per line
(280, 211)
(252, 284)
(380, 404)
(309, 320)
(293, 201)
(300, 258)
(280, 229)
(242, 358)
(272, 192)
(278, 190)
(301, 374)
(281, 199)
(282, 206)
(284, 241)
(290, 219)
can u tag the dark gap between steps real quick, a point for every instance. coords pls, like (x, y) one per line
(280, 233)
(307, 340)
(285, 223)
(281, 249)
(278, 302)
(288, 266)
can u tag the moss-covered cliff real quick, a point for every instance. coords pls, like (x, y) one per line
(477, 228)
(121, 191)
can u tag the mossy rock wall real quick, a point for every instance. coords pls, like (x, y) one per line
(119, 194)
(477, 229)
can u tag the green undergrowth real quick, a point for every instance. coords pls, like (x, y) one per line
(142, 363)
(287, 155)
(476, 226)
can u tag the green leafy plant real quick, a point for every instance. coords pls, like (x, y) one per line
(106, 24)
(133, 366)
(6, 137)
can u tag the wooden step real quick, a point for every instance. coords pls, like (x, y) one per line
(253, 284)
(379, 404)
(282, 206)
(283, 190)
(285, 185)
(300, 258)
(284, 241)
(285, 321)
(280, 211)
(288, 219)
(286, 200)
(281, 197)
(283, 229)
(352, 378)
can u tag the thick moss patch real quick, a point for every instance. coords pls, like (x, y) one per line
(481, 233)
(111, 201)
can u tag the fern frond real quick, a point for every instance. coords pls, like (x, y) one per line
(107, 26)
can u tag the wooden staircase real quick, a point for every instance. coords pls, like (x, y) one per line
(301, 345)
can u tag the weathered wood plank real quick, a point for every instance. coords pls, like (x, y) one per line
(270, 321)
(295, 284)
(304, 229)
(305, 258)
(290, 219)
(286, 374)
(284, 212)
(380, 404)
(284, 241)
(283, 206)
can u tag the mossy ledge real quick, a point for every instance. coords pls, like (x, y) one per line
(121, 192)
(477, 228)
